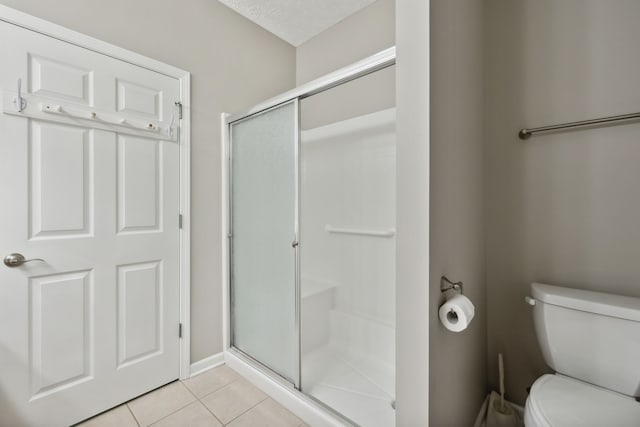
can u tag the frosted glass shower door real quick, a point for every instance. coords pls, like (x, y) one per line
(263, 238)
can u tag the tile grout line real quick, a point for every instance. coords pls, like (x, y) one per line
(168, 415)
(247, 410)
(127, 403)
(189, 390)
(215, 391)
(238, 378)
(211, 412)
(199, 400)
(132, 414)
(218, 389)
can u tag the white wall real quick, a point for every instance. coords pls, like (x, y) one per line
(457, 361)
(234, 64)
(412, 249)
(561, 209)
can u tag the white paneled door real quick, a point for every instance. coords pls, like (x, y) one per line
(94, 195)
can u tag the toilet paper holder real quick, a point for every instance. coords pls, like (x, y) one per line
(457, 310)
(446, 285)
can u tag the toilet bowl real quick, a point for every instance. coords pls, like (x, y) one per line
(591, 340)
(560, 401)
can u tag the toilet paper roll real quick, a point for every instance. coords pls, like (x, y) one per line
(456, 313)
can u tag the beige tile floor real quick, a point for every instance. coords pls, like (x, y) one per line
(218, 397)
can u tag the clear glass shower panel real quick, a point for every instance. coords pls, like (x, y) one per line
(263, 227)
(347, 248)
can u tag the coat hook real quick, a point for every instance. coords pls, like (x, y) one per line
(18, 101)
(170, 127)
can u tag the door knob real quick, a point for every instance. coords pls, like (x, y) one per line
(16, 260)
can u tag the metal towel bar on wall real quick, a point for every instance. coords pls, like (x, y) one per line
(527, 133)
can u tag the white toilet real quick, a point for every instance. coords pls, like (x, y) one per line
(592, 341)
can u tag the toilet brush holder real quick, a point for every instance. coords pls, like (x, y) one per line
(501, 414)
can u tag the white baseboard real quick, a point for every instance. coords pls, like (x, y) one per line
(207, 363)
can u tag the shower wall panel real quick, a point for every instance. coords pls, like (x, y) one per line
(348, 266)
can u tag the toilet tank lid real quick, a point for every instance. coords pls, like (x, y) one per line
(619, 306)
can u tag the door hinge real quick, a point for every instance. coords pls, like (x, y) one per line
(180, 221)
(179, 105)
(179, 330)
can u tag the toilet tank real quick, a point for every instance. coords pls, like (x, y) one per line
(590, 336)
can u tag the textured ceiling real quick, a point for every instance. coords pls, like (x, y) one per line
(296, 21)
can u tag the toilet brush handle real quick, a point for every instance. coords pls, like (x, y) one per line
(501, 373)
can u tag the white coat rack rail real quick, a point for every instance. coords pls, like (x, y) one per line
(33, 107)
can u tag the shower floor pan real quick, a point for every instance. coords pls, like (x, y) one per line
(335, 379)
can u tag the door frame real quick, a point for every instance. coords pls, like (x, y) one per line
(46, 28)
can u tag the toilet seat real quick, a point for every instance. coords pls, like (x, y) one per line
(559, 401)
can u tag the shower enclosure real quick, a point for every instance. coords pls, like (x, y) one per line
(311, 241)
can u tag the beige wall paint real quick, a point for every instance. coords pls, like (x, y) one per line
(234, 64)
(358, 36)
(362, 34)
(561, 209)
(457, 360)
